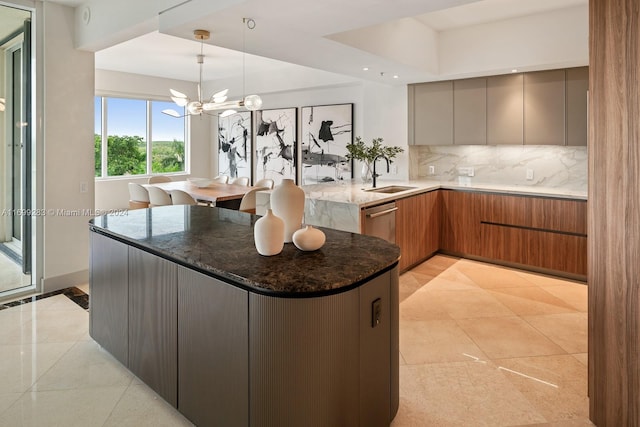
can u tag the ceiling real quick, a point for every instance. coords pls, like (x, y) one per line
(317, 34)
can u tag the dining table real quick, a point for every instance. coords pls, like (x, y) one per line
(216, 194)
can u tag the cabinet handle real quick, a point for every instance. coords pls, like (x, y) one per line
(377, 214)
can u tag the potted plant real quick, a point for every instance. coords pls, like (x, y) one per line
(367, 154)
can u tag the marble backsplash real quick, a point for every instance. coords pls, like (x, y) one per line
(557, 167)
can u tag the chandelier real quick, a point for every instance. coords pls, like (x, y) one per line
(218, 100)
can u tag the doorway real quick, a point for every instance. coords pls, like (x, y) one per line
(16, 152)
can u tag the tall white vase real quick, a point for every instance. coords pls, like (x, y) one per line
(268, 234)
(287, 202)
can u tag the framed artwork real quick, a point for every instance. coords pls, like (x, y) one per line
(234, 145)
(276, 144)
(326, 131)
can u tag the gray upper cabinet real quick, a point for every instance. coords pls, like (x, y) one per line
(432, 120)
(577, 86)
(504, 109)
(470, 111)
(544, 108)
(535, 108)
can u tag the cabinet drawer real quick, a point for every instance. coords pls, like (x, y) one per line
(542, 249)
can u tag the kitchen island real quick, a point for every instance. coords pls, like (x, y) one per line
(181, 297)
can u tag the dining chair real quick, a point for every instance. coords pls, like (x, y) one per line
(138, 196)
(179, 197)
(241, 180)
(156, 179)
(158, 197)
(265, 182)
(248, 202)
(221, 179)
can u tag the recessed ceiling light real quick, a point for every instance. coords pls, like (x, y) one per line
(395, 76)
(365, 69)
(515, 70)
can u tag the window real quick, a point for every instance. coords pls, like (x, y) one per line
(133, 128)
(167, 144)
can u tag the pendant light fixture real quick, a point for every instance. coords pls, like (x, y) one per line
(218, 100)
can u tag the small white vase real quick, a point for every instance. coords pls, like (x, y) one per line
(268, 234)
(308, 239)
(287, 202)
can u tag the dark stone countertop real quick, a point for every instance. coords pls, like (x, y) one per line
(219, 242)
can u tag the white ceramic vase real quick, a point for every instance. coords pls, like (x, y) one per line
(268, 234)
(287, 202)
(308, 239)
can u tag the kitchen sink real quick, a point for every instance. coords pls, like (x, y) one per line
(391, 189)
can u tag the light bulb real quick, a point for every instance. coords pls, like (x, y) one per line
(252, 102)
(194, 107)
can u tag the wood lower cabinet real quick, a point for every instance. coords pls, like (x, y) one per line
(109, 296)
(460, 228)
(547, 250)
(538, 232)
(417, 228)
(153, 320)
(213, 331)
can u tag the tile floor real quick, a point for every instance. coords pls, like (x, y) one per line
(480, 346)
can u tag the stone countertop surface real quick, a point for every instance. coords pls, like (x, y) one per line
(219, 242)
(356, 193)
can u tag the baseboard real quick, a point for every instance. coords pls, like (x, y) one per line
(51, 284)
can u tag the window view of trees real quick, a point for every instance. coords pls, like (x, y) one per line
(127, 148)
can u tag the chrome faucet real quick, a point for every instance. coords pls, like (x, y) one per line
(374, 175)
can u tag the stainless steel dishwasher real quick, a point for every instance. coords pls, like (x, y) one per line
(380, 221)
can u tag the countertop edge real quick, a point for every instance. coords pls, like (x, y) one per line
(426, 186)
(238, 281)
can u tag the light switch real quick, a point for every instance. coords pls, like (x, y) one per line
(529, 174)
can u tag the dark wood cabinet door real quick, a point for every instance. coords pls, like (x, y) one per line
(153, 353)
(417, 228)
(109, 296)
(460, 230)
(213, 344)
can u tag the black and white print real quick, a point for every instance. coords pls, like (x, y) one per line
(276, 140)
(326, 131)
(234, 145)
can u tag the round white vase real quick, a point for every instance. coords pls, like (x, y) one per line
(287, 202)
(268, 234)
(308, 239)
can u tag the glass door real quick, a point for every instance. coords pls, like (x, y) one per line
(16, 149)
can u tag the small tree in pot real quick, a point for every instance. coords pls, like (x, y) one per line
(358, 150)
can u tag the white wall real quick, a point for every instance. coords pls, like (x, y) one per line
(556, 39)
(67, 147)
(113, 193)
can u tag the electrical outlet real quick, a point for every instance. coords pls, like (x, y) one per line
(432, 170)
(467, 171)
(529, 174)
(394, 170)
(83, 187)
